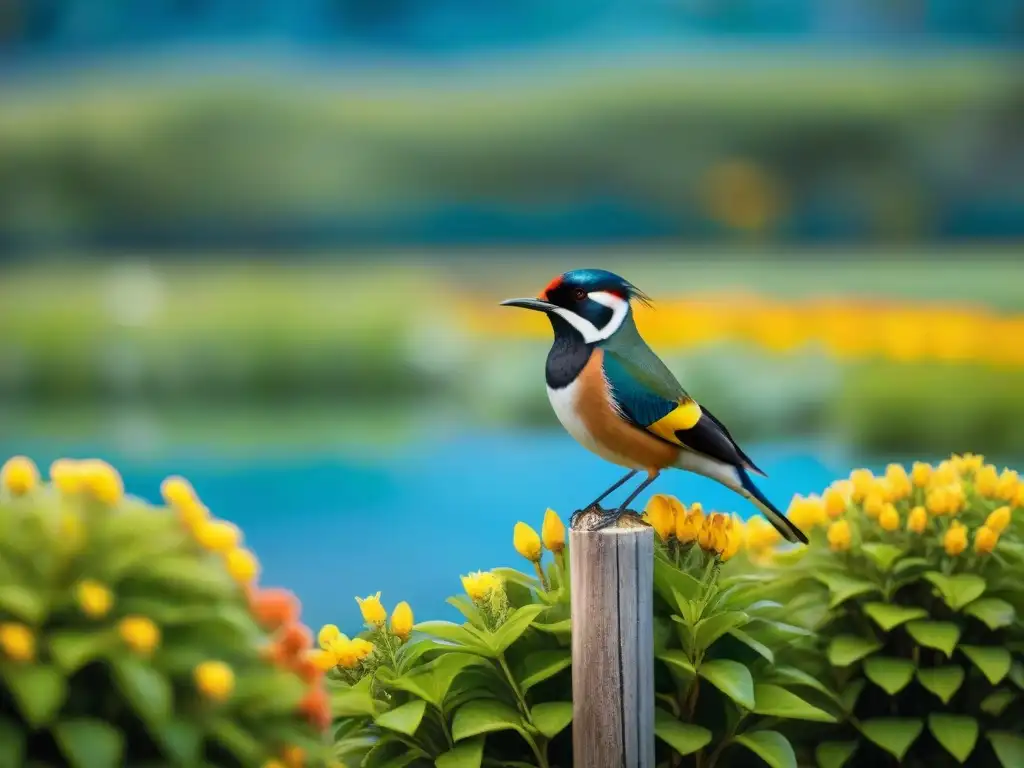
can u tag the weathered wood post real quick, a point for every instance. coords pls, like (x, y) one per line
(612, 572)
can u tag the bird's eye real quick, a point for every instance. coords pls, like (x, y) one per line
(579, 294)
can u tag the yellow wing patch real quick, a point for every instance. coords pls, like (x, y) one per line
(685, 416)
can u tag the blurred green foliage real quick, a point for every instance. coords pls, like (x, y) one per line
(158, 154)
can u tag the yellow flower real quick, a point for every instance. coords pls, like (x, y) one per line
(807, 512)
(1018, 499)
(322, 659)
(177, 492)
(955, 540)
(889, 519)
(102, 481)
(19, 475)
(874, 503)
(17, 642)
(139, 633)
(969, 462)
(761, 534)
(945, 500)
(1009, 482)
(401, 620)
(839, 536)
(713, 536)
(998, 519)
(527, 542)
(920, 474)
(863, 483)
(218, 535)
(688, 524)
(242, 565)
(734, 533)
(479, 585)
(918, 520)
(350, 653)
(215, 680)
(898, 481)
(94, 598)
(328, 634)
(372, 610)
(193, 515)
(662, 512)
(552, 532)
(835, 503)
(986, 481)
(985, 540)
(66, 476)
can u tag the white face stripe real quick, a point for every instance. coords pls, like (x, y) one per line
(590, 333)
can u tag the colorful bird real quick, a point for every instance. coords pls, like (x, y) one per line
(614, 395)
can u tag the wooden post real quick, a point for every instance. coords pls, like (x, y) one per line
(612, 573)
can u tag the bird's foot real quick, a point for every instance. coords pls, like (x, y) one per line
(596, 518)
(606, 518)
(574, 518)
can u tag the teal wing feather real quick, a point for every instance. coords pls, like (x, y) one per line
(645, 391)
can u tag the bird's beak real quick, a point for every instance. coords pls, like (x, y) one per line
(538, 304)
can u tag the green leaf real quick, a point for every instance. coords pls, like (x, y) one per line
(145, 688)
(484, 716)
(774, 701)
(994, 612)
(940, 635)
(845, 650)
(908, 563)
(551, 717)
(542, 665)
(996, 702)
(959, 590)
(352, 700)
(882, 555)
(180, 740)
(1017, 674)
(942, 681)
(794, 676)
(848, 698)
(731, 678)
(835, 754)
(468, 608)
(993, 661)
(22, 603)
(73, 650)
(842, 587)
(432, 681)
(679, 665)
(1009, 748)
(39, 691)
(710, 629)
(753, 644)
(516, 624)
(89, 743)
(956, 733)
(667, 578)
(684, 738)
(12, 743)
(891, 675)
(770, 746)
(458, 634)
(468, 754)
(562, 628)
(515, 576)
(887, 615)
(893, 734)
(404, 719)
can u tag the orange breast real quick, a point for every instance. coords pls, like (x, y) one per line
(594, 406)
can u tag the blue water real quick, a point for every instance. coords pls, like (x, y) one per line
(334, 524)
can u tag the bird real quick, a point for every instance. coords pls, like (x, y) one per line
(615, 396)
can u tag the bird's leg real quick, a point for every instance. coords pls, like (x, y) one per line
(608, 518)
(602, 497)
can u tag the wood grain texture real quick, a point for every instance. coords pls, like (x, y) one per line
(613, 647)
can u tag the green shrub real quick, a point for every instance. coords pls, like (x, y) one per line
(923, 636)
(496, 689)
(133, 635)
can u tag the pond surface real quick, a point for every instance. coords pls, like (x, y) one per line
(407, 520)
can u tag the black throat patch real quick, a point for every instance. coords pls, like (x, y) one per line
(568, 355)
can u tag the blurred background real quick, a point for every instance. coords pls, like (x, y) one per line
(261, 243)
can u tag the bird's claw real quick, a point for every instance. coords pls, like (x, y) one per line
(607, 518)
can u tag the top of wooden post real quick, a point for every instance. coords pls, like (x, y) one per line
(585, 521)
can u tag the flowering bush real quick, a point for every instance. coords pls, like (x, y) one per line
(498, 686)
(922, 638)
(136, 635)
